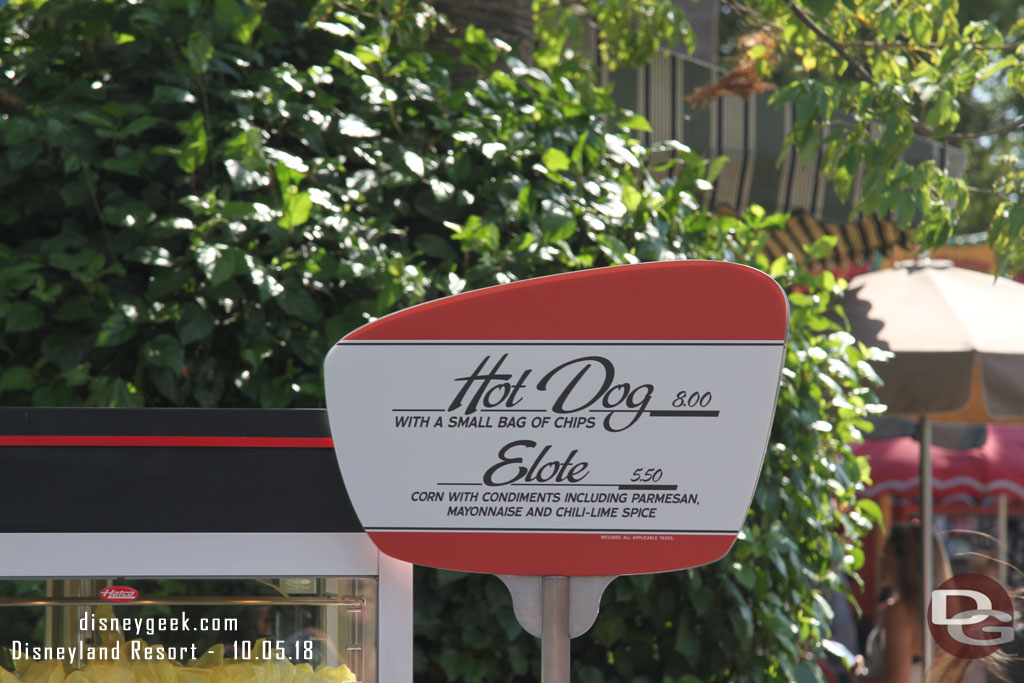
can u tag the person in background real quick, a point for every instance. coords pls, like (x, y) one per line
(894, 646)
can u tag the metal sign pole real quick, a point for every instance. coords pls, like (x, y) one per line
(554, 639)
(927, 540)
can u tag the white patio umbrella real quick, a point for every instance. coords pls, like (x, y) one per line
(958, 340)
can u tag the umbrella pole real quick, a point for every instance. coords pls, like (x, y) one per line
(1003, 533)
(927, 550)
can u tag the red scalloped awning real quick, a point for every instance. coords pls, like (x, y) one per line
(970, 478)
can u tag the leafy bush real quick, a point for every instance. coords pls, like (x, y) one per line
(207, 200)
(201, 197)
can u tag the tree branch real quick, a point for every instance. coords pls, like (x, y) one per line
(888, 45)
(744, 9)
(1005, 128)
(818, 31)
(987, 191)
(861, 72)
(864, 75)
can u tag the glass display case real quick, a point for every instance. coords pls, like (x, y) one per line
(189, 546)
(249, 629)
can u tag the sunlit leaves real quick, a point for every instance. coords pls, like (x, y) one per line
(295, 208)
(198, 51)
(904, 69)
(192, 151)
(355, 127)
(629, 33)
(635, 122)
(236, 18)
(555, 160)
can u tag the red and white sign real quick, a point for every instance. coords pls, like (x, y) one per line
(610, 421)
(119, 594)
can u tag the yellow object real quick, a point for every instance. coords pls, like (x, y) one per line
(109, 639)
(7, 677)
(212, 657)
(190, 675)
(337, 674)
(45, 671)
(108, 673)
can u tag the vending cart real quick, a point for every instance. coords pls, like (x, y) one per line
(189, 545)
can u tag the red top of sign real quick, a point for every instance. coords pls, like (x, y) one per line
(693, 300)
(717, 305)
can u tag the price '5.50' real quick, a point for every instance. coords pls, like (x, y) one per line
(650, 474)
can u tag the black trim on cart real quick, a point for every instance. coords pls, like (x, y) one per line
(205, 470)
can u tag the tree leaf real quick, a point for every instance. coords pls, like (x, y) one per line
(198, 51)
(169, 94)
(240, 22)
(555, 160)
(299, 303)
(355, 127)
(414, 162)
(557, 224)
(870, 509)
(195, 323)
(295, 210)
(164, 351)
(128, 164)
(19, 129)
(631, 197)
(23, 154)
(226, 265)
(16, 377)
(73, 309)
(116, 330)
(822, 247)
(23, 317)
(820, 7)
(139, 126)
(635, 122)
(435, 246)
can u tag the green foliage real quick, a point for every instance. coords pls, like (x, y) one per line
(209, 197)
(629, 32)
(209, 194)
(884, 70)
(986, 107)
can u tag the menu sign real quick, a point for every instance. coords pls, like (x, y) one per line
(581, 424)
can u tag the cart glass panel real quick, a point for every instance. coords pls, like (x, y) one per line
(307, 630)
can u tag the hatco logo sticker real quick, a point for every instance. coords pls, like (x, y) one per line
(119, 594)
(971, 616)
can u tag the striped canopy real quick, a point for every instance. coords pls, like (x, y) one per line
(858, 241)
(972, 477)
